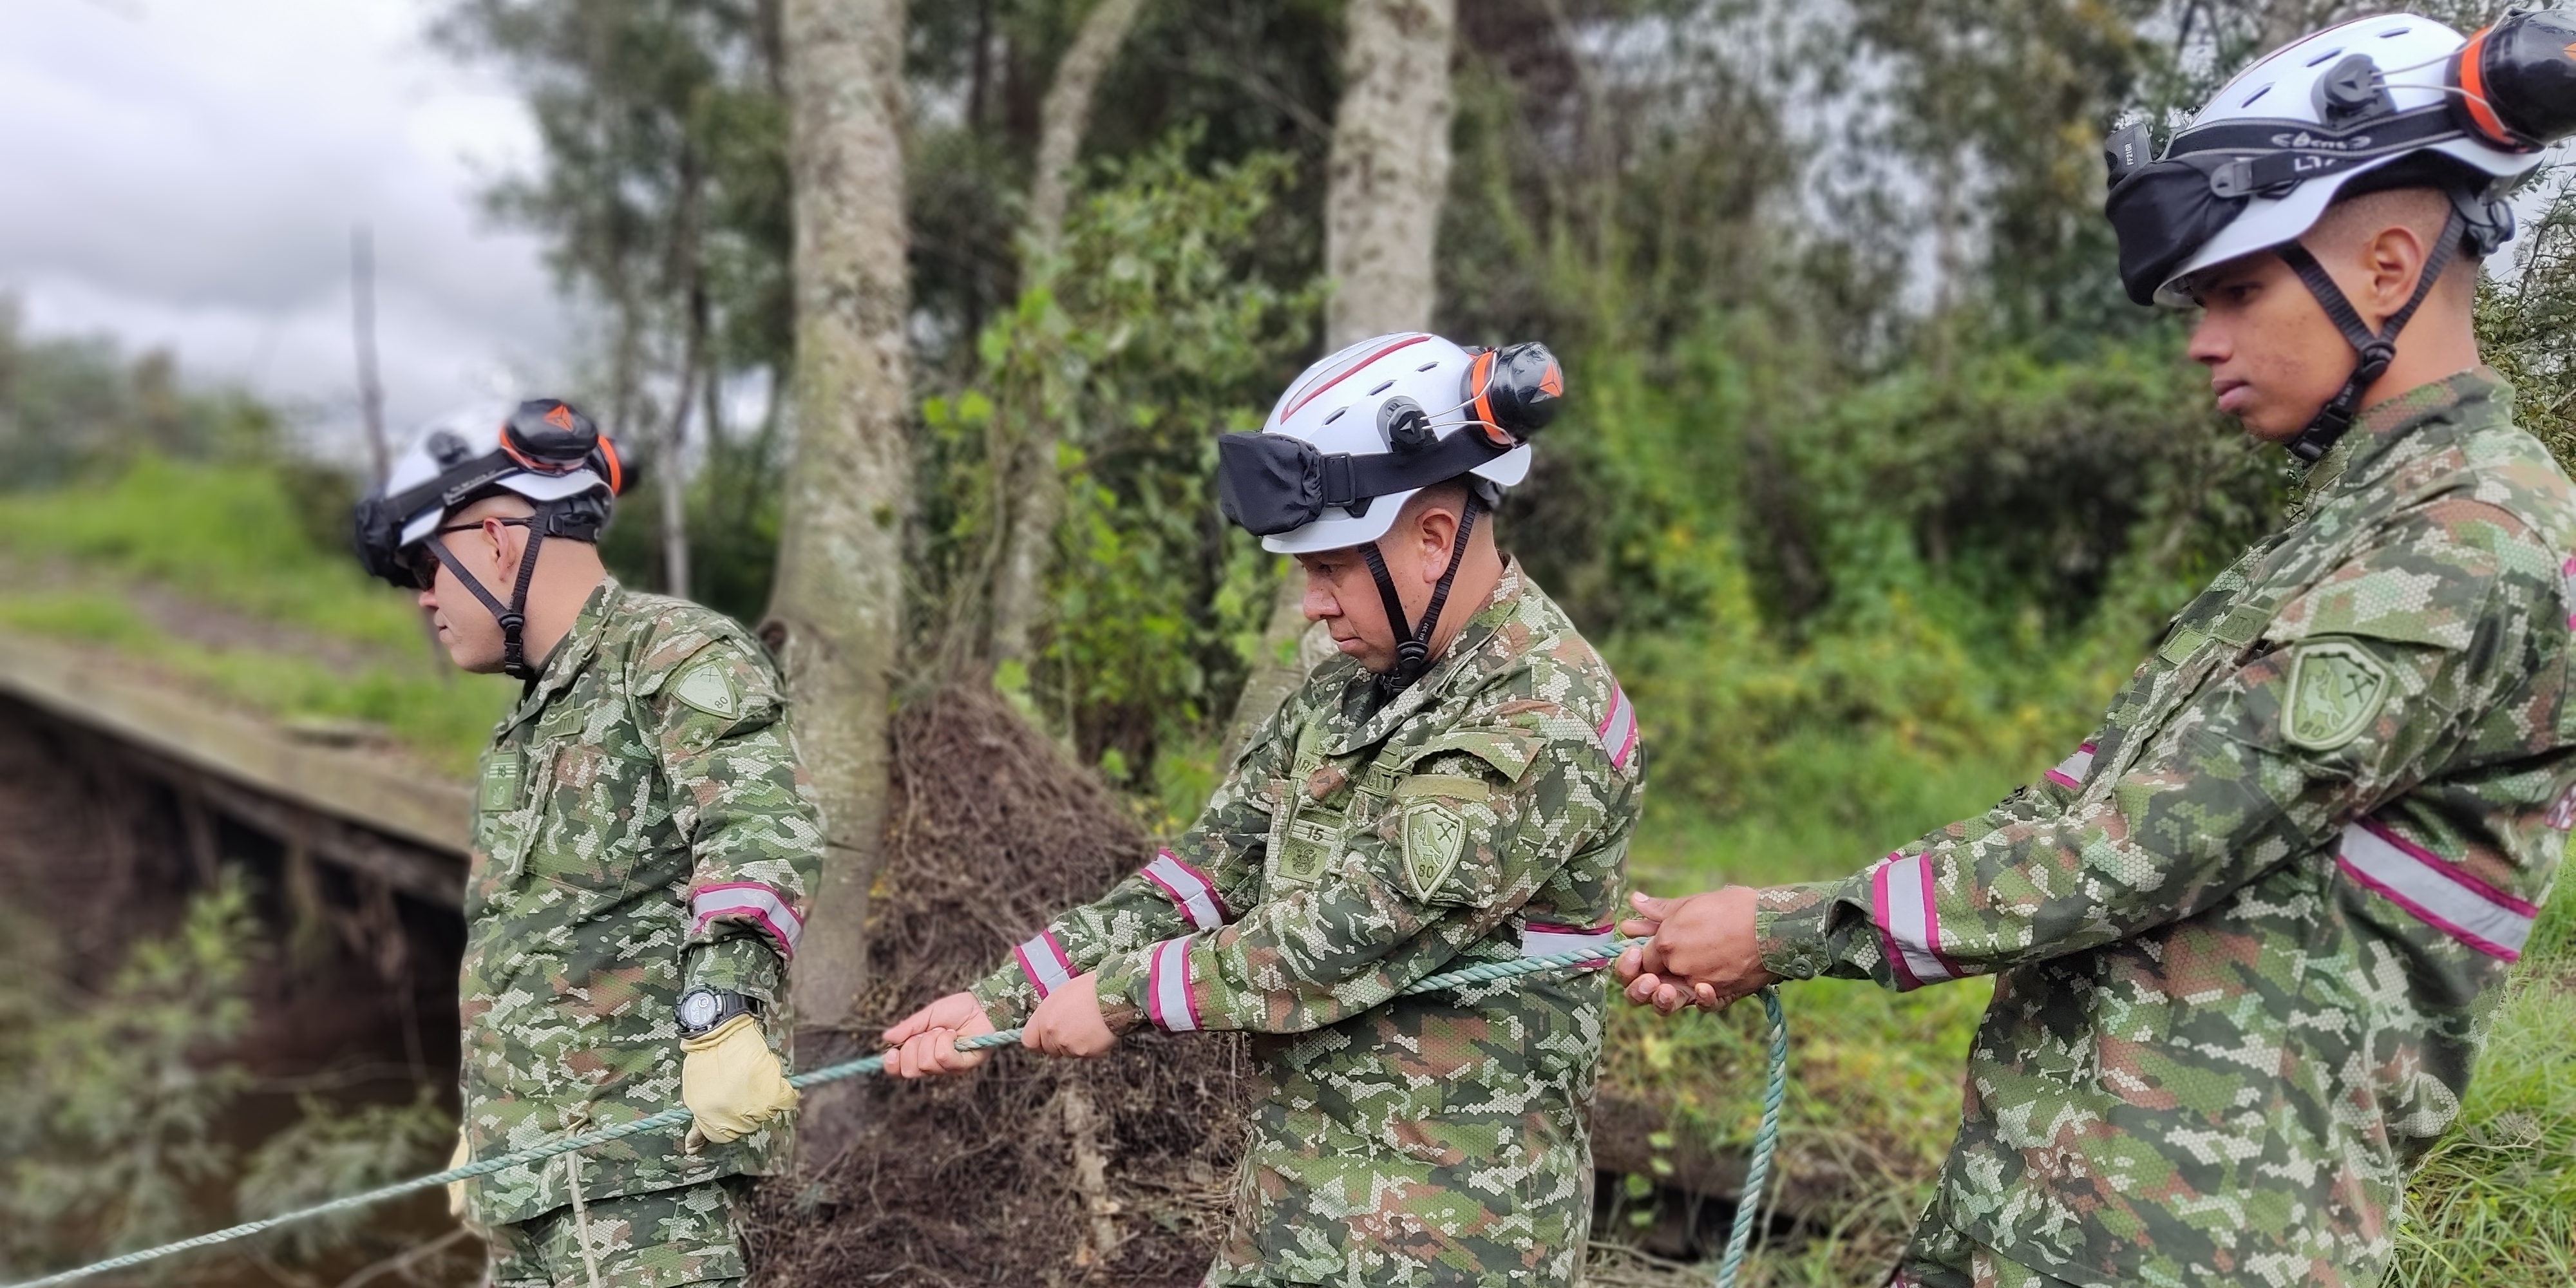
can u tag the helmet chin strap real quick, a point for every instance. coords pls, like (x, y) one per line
(2377, 348)
(512, 616)
(1413, 647)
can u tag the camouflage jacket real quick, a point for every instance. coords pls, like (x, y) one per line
(643, 826)
(2243, 932)
(1355, 848)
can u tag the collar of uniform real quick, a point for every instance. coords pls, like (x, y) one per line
(2477, 395)
(1465, 650)
(573, 651)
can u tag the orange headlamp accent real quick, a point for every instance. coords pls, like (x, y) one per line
(2473, 93)
(1480, 377)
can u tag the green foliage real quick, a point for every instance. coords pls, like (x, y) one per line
(256, 610)
(78, 408)
(109, 1117)
(1145, 339)
(331, 1152)
(2527, 322)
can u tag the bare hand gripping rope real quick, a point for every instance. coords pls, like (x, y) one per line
(1774, 1090)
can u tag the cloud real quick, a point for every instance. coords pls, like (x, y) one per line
(187, 175)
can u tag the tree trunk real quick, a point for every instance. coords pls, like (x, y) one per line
(1388, 173)
(1389, 167)
(1036, 493)
(835, 614)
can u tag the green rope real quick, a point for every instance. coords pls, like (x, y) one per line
(1775, 1089)
(1480, 973)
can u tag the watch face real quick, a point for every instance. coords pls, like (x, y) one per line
(698, 1009)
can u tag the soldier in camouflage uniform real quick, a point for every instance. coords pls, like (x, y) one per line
(2240, 936)
(1429, 799)
(643, 849)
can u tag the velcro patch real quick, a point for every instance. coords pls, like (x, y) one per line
(2184, 642)
(1434, 838)
(501, 775)
(2336, 690)
(709, 688)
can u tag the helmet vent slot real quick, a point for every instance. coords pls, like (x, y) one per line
(2249, 99)
(1428, 365)
(1337, 415)
(1382, 387)
(2326, 57)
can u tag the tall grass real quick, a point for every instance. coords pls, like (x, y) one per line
(236, 539)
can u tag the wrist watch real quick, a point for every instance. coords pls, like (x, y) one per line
(703, 1009)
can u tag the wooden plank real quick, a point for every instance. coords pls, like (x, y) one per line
(376, 791)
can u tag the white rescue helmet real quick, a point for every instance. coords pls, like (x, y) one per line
(1358, 403)
(2293, 113)
(2385, 102)
(1363, 430)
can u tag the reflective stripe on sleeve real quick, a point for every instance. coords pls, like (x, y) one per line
(1901, 904)
(1042, 959)
(1168, 1001)
(748, 901)
(1189, 889)
(1544, 939)
(2070, 772)
(2437, 892)
(1618, 730)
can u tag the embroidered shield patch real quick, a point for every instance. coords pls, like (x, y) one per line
(709, 688)
(2336, 689)
(1434, 837)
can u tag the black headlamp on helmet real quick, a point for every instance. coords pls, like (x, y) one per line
(1274, 483)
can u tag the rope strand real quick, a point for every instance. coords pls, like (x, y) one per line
(1480, 973)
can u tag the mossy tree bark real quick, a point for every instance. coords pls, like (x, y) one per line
(836, 612)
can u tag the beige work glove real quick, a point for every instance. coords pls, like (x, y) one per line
(732, 1082)
(456, 1189)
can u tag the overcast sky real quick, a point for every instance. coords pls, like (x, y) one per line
(185, 174)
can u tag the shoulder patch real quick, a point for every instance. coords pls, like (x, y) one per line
(708, 687)
(1434, 837)
(1509, 751)
(2335, 690)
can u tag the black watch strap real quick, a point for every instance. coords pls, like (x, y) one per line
(704, 1010)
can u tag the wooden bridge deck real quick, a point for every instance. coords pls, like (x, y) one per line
(359, 806)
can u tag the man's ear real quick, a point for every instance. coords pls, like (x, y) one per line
(1439, 532)
(2394, 257)
(509, 541)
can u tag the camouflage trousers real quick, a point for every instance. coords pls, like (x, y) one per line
(659, 1239)
(1939, 1256)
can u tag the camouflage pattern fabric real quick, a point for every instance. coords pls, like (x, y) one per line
(2243, 932)
(1940, 1257)
(1355, 848)
(658, 1240)
(644, 827)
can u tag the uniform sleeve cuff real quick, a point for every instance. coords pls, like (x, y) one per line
(741, 964)
(1122, 981)
(1789, 929)
(1006, 998)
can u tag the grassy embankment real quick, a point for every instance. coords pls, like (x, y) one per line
(323, 643)
(1875, 1091)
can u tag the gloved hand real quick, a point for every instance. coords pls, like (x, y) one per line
(732, 1082)
(456, 1189)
